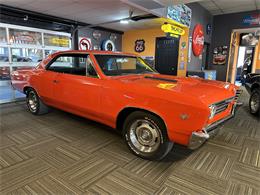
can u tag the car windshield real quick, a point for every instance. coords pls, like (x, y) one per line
(114, 65)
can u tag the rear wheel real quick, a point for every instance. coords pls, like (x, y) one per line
(254, 102)
(146, 136)
(35, 104)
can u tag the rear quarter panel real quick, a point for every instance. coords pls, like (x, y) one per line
(28, 77)
(20, 79)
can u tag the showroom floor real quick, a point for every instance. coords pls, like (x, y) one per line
(60, 153)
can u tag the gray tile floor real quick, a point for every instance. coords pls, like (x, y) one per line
(60, 153)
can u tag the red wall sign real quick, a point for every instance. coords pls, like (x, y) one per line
(85, 44)
(198, 40)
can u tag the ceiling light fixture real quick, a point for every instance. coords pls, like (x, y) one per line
(124, 21)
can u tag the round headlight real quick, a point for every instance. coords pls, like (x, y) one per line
(226, 86)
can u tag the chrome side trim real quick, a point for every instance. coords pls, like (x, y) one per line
(214, 125)
(222, 105)
(225, 100)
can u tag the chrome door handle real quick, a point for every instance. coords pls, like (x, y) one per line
(55, 81)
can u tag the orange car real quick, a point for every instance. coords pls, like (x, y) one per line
(151, 110)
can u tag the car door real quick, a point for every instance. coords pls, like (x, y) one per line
(46, 85)
(78, 90)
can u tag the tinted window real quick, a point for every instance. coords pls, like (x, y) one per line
(70, 64)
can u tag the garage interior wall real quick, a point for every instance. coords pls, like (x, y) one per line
(199, 16)
(149, 36)
(88, 33)
(222, 29)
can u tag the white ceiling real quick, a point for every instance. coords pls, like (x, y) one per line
(102, 11)
(142, 24)
(175, 2)
(90, 11)
(217, 7)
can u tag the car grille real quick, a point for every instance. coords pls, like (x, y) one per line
(238, 93)
(223, 105)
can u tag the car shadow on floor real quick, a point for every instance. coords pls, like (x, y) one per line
(177, 153)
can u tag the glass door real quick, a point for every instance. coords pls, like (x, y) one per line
(24, 48)
(6, 92)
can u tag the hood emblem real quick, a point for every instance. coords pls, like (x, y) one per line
(166, 85)
(184, 116)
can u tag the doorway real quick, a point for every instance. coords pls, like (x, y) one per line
(205, 56)
(243, 54)
(244, 63)
(166, 55)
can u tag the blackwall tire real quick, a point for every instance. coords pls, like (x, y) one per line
(35, 104)
(254, 102)
(146, 136)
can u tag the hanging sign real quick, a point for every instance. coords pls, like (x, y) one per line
(139, 45)
(198, 40)
(172, 29)
(180, 13)
(85, 44)
(251, 20)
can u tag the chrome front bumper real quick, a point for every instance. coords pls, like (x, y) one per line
(198, 138)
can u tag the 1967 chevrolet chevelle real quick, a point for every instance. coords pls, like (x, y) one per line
(151, 110)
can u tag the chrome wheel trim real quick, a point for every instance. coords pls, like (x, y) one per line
(255, 102)
(32, 101)
(145, 136)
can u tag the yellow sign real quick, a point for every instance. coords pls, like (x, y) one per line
(166, 85)
(60, 41)
(172, 29)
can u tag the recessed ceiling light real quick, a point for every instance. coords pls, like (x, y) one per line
(124, 21)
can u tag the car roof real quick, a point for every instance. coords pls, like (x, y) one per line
(92, 52)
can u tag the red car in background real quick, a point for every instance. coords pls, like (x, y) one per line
(152, 111)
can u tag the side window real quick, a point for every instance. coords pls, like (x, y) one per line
(70, 64)
(91, 72)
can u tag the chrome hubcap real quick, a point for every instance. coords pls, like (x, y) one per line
(32, 101)
(255, 102)
(144, 136)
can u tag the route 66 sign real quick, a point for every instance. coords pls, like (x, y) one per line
(139, 45)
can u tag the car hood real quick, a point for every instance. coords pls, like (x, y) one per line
(168, 87)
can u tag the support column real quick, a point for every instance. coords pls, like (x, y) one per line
(75, 38)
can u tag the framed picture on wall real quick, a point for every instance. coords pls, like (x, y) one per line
(220, 55)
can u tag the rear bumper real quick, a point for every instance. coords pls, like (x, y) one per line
(198, 138)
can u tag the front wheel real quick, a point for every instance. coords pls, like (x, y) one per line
(146, 136)
(254, 102)
(35, 104)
